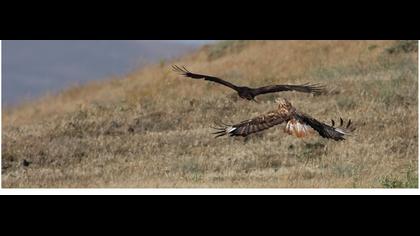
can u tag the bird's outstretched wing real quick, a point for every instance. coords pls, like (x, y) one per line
(248, 127)
(183, 71)
(304, 88)
(327, 131)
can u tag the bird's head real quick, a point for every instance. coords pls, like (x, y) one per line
(284, 104)
(246, 93)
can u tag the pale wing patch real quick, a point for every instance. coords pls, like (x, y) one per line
(340, 131)
(300, 130)
(230, 129)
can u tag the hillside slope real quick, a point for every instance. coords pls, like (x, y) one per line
(152, 128)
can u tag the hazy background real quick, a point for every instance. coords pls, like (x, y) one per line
(31, 68)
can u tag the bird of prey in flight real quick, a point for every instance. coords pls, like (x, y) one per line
(250, 93)
(297, 123)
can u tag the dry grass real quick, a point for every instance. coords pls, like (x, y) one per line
(152, 127)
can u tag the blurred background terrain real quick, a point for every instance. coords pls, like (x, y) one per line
(150, 127)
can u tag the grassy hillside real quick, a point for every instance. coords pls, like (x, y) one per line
(152, 128)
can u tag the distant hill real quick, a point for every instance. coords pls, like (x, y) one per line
(31, 68)
(152, 128)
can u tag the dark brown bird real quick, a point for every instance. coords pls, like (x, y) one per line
(298, 124)
(250, 93)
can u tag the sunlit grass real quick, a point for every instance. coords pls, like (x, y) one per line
(152, 127)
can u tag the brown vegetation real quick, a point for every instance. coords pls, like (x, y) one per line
(152, 127)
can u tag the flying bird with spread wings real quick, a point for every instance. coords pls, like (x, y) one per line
(297, 123)
(250, 93)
